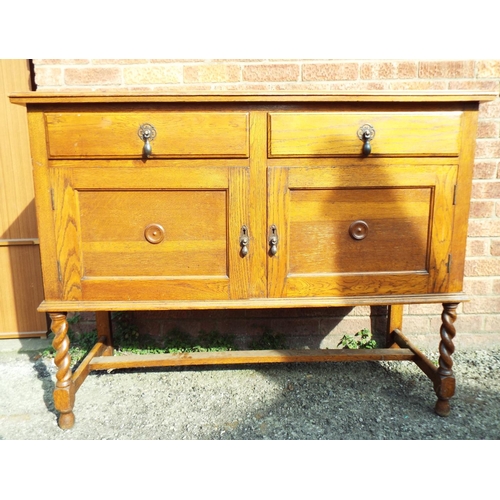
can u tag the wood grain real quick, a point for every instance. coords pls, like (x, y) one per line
(20, 270)
(249, 357)
(330, 134)
(115, 134)
(252, 97)
(265, 303)
(223, 160)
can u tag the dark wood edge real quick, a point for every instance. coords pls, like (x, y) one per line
(420, 359)
(265, 303)
(251, 96)
(80, 374)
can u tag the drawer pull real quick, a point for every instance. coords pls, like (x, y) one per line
(147, 133)
(244, 240)
(273, 240)
(358, 230)
(154, 233)
(366, 133)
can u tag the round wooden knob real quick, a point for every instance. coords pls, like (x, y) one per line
(358, 230)
(154, 233)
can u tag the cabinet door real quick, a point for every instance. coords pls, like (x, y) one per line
(168, 233)
(360, 229)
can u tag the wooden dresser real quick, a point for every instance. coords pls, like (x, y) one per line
(239, 200)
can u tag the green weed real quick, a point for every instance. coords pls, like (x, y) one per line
(360, 340)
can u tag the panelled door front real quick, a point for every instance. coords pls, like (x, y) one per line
(170, 233)
(354, 227)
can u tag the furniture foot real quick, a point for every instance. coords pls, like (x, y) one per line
(64, 393)
(445, 382)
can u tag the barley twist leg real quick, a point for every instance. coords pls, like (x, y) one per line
(445, 383)
(64, 393)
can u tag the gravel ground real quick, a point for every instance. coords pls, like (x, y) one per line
(331, 401)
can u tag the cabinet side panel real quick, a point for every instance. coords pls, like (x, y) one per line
(44, 206)
(462, 198)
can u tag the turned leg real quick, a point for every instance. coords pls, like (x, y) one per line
(64, 393)
(103, 324)
(445, 382)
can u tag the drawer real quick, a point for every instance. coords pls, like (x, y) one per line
(336, 134)
(179, 135)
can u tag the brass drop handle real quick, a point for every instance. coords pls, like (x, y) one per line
(366, 133)
(147, 133)
(244, 241)
(273, 240)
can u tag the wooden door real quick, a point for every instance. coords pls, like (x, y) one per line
(170, 233)
(348, 227)
(20, 273)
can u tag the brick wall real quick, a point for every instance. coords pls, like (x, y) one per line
(479, 319)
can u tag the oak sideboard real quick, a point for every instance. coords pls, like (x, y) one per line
(251, 200)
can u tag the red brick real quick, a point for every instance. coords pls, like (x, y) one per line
(349, 325)
(271, 72)
(485, 169)
(176, 61)
(330, 71)
(490, 109)
(478, 247)
(175, 87)
(483, 189)
(213, 73)
(109, 62)
(480, 304)
(48, 76)
(488, 128)
(65, 62)
(300, 86)
(446, 69)
(243, 86)
(484, 227)
(295, 326)
(482, 266)
(152, 74)
(495, 247)
(491, 323)
(488, 148)
(478, 286)
(388, 70)
(482, 209)
(480, 85)
(359, 86)
(418, 324)
(360, 311)
(92, 76)
(425, 309)
(486, 189)
(418, 85)
(488, 69)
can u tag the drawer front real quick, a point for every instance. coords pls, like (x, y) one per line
(336, 134)
(178, 135)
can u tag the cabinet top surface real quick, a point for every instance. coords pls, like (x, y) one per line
(245, 96)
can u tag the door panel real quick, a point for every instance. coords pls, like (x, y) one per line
(175, 240)
(345, 231)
